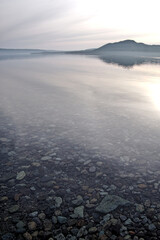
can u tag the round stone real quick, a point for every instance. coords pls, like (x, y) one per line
(32, 226)
(92, 169)
(13, 209)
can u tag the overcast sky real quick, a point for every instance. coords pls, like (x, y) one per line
(77, 24)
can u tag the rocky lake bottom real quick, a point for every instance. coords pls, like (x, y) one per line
(50, 189)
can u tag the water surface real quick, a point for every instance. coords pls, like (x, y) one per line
(84, 101)
(74, 129)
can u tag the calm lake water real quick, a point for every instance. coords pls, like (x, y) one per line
(79, 138)
(85, 102)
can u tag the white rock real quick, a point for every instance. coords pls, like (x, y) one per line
(20, 175)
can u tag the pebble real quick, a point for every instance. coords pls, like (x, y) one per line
(123, 218)
(128, 222)
(139, 208)
(17, 196)
(54, 219)
(4, 199)
(79, 211)
(13, 208)
(8, 236)
(92, 169)
(78, 201)
(60, 237)
(62, 219)
(152, 227)
(46, 158)
(42, 216)
(142, 186)
(27, 236)
(20, 175)
(20, 227)
(92, 230)
(34, 214)
(58, 201)
(47, 225)
(32, 226)
(110, 203)
(82, 232)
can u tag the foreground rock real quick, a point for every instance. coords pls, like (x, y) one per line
(110, 203)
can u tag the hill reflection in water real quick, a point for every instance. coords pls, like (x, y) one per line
(128, 60)
(123, 59)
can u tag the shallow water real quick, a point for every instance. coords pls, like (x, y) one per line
(86, 101)
(75, 125)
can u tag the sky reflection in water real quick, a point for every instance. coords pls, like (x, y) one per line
(85, 101)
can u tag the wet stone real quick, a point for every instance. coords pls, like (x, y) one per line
(70, 237)
(60, 237)
(8, 236)
(110, 203)
(92, 230)
(42, 216)
(92, 169)
(27, 236)
(82, 232)
(62, 219)
(78, 201)
(54, 219)
(123, 218)
(20, 175)
(128, 222)
(58, 201)
(32, 226)
(139, 208)
(17, 196)
(33, 214)
(13, 209)
(20, 227)
(47, 225)
(46, 158)
(152, 227)
(4, 199)
(142, 186)
(79, 211)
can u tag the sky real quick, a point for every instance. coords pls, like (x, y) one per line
(77, 24)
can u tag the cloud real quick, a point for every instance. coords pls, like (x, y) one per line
(71, 24)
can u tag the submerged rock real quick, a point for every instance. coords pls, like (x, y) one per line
(60, 237)
(20, 175)
(110, 203)
(79, 211)
(8, 236)
(46, 158)
(13, 209)
(92, 169)
(58, 201)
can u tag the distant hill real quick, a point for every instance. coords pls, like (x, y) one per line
(125, 53)
(127, 46)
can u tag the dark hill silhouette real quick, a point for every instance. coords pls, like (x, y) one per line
(125, 53)
(127, 45)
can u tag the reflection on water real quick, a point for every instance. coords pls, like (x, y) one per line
(129, 61)
(154, 90)
(94, 104)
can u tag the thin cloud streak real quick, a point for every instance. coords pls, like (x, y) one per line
(70, 24)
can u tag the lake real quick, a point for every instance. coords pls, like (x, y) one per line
(76, 125)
